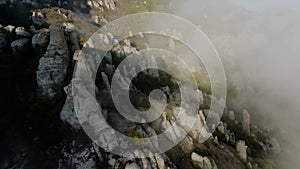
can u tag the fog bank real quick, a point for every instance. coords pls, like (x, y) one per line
(258, 42)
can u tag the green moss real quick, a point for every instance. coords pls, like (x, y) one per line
(213, 164)
(169, 113)
(219, 135)
(53, 17)
(138, 139)
(184, 150)
(203, 82)
(82, 41)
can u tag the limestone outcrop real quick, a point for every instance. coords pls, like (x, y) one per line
(53, 65)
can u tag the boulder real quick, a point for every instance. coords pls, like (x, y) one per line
(197, 128)
(41, 40)
(231, 115)
(33, 30)
(200, 162)
(187, 145)
(221, 128)
(21, 32)
(38, 19)
(20, 45)
(159, 161)
(69, 27)
(78, 156)
(99, 4)
(67, 113)
(246, 122)
(201, 97)
(10, 28)
(241, 149)
(275, 146)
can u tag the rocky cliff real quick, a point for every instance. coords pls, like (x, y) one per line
(53, 40)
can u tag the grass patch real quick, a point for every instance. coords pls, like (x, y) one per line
(138, 138)
(57, 16)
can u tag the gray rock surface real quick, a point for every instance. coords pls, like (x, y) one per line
(21, 32)
(246, 122)
(78, 156)
(32, 29)
(231, 115)
(241, 149)
(67, 113)
(19, 45)
(221, 128)
(53, 65)
(38, 18)
(41, 39)
(200, 162)
(99, 4)
(10, 28)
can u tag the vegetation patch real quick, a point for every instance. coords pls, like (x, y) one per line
(57, 16)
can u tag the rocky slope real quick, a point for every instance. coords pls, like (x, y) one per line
(52, 38)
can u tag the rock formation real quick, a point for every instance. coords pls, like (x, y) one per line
(241, 149)
(22, 33)
(67, 113)
(246, 122)
(19, 45)
(40, 40)
(201, 162)
(53, 65)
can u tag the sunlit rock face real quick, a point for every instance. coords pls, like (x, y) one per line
(99, 4)
(53, 65)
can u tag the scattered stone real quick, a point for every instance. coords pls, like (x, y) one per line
(201, 97)
(246, 122)
(41, 39)
(38, 18)
(249, 165)
(231, 115)
(99, 4)
(200, 162)
(10, 28)
(21, 32)
(69, 27)
(275, 146)
(78, 157)
(160, 161)
(212, 120)
(221, 128)
(19, 45)
(33, 30)
(197, 128)
(241, 149)
(187, 145)
(112, 162)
